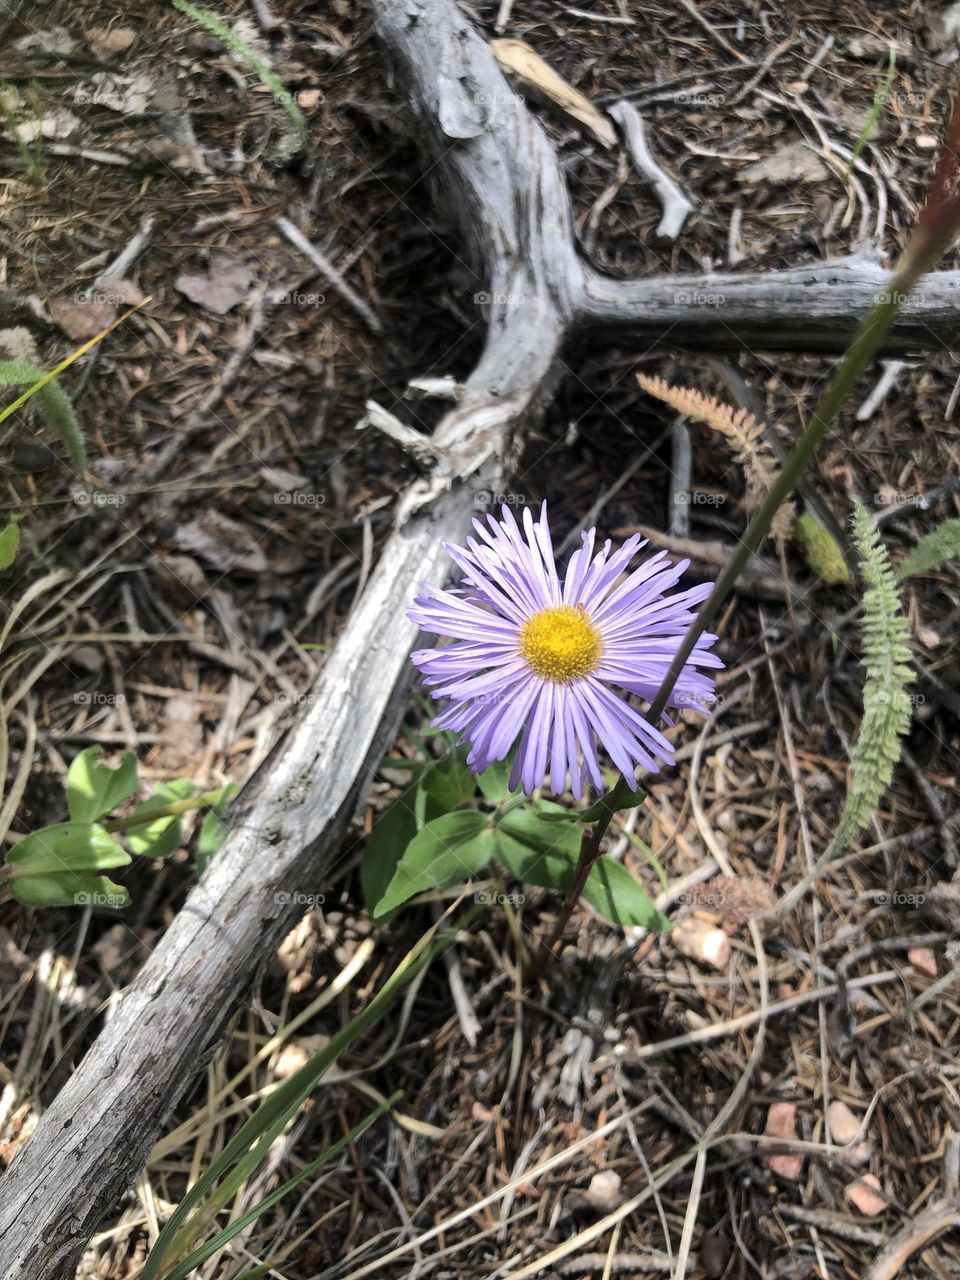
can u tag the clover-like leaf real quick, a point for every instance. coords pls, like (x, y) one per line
(94, 789)
(451, 848)
(159, 837)
(66, 846)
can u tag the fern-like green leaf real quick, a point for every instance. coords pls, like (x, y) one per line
(939, 546)
(252, 59)
(886, 703)
(54, 406)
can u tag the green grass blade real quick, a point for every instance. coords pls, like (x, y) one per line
(237, 46)
(269, 1120)
(879, 102)
(183, 1269)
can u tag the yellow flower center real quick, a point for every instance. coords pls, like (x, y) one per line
(561, 643)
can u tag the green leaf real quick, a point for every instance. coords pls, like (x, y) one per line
(392, 832)
(213, 830)
(612, 891)
(886, 704)
(541, 830)
(451, 848)
(597, 810)
(161, 836)
(94, 789)
(53, 403)
(540, 851)
(821, 550)
(449, 782)
(9, 544)
(940, 545)
(188, 1266)
(68, 889)
(66, 846)
(494, 782)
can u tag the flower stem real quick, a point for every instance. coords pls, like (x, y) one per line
(171, 810)
(866, 342)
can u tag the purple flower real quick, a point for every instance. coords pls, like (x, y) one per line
(545, 659)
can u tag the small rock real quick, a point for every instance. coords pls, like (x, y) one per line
(703, 942)
(112, 948)
(12, 960)
(127, 95)
(56, 124)
(844, 1125)
(928, 141)
(32, 455)
(87, 658)
(289, 1060)
(782, 1124)
(107, 42)
(604, 1191)
(866, 1195)
(924, 959)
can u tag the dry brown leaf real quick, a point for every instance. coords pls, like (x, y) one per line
(793, 163)
(526, 64)
(221, 543)
(742, 429)
(225, 285)
(82, 318)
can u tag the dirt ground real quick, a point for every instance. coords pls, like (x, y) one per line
(179, 598)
